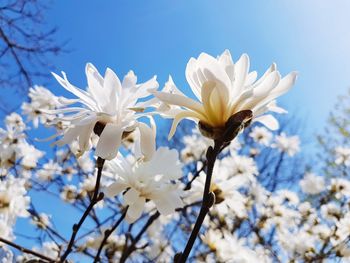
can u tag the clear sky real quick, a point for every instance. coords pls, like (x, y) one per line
(158, 37)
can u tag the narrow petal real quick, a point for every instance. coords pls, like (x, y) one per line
(148, 140)
(95, 83)
(192, 78)
(129, 80)
(225, 59)
(268, 120)
(180, 116)
(174, 99)
(112, 90)
(109, 142)
(83, 95)
(135, 210)
(69, 136)
(115, 189)
(241, 72)
(211, 113)
(284, 85)
(131, 196)
(84, 137)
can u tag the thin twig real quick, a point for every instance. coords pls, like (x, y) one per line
(107, 233)
(127, 252)
(26, 250)
(94, 200)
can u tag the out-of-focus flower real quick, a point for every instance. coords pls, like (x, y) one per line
(312, 184)
(110, 110)
(69, 193)
(48, 171)
(261, 135)
(13, 200)
(331, 211)
(224, 89)
(40, 99)
(340, 187)
(147, 180)
(289, 145)
(342, 155)
(41, 220)
(49, 249)
(195, 147)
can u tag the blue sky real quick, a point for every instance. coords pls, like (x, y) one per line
(158, 37)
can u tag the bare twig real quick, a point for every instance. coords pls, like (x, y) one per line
(26, 250)
(95, 199)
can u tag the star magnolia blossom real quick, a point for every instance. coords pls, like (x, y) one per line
(147, 180)
(224, 88)
(108, 102)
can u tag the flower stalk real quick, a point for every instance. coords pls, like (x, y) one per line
(208, 201)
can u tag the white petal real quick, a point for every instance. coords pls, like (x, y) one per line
(212, 70)
(174, 99)
(192, 78)
(180, 116)
(241, 72)
(131, 196)
(83, 95)
(114, 189)
(251, 78)
(165, 162)
(129, 80)
(148, 141)
(69, 136)
(226, 61)
(168, 204)
(284, 85)
(170, 87)
(135, 210)
(84, 137)
(269, 121)
(112, 90)
(95, 84)
(109, 142)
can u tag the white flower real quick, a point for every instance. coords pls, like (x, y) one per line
(49, 249)
(289, 145)
(212, 238)
(110, 104)
(49, 170)
(342, 155)
(340, 187)
(343, 227)
(242, 166)
(15, 121)
(261, 135)
(30, 155)
(195, 147)
(41, 98)
(147, 180)
(312, 184)
(13, 200)
(6, 229)
(69, 193)
(331, 211)
(232, 249)
(224, 88)
(41, 220)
